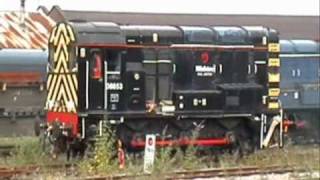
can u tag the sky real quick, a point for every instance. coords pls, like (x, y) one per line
(271, 7)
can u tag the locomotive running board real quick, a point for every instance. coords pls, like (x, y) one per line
(245, 47)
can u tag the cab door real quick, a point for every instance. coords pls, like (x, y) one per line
(96, 80)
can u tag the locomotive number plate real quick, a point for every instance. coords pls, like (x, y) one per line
(114, 86)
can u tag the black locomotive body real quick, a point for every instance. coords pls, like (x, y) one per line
(222, 82)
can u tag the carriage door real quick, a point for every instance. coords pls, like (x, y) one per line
(96, 80)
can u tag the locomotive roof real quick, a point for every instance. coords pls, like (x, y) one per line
(112, 33)
(290, 27)
(299, 46)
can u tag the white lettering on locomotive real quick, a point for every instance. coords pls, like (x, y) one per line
(203, 70)
(114, 86)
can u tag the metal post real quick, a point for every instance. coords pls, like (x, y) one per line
(83, 127)
(87, 84)
(105, 85)
(261, 130)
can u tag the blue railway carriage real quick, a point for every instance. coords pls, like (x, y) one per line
(22, 82)
(300, 82)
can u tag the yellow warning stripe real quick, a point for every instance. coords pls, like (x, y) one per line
(73, 88)
(71, 34)
(52, 35)
(274, 47)
(62, 84)
(274, 62)
(275, 92)
(49, 81)
(51, 85)
(273, 105)
(68, 93)
(75, 81)
(56, 89)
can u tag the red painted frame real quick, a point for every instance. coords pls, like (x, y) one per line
(70, 120)
(184, 142)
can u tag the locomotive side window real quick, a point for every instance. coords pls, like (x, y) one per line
(113, 57)
(96, 63)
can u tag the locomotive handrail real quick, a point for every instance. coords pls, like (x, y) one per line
(180, 46)
(207, 46)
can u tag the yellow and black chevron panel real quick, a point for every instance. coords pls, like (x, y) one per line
(274, 76)
(62, 82)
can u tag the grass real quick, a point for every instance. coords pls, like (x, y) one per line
(301, 156)
(102, 159)
(28, 152)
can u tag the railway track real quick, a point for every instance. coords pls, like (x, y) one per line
(9, 172)
(232, 172)
(210, 173)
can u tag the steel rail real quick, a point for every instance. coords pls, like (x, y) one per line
(209, 173)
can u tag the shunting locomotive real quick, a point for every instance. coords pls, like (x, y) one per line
(220, 81)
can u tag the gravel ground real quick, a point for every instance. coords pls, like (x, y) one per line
(285, 176)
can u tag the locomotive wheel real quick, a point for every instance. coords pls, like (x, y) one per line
(235, 148)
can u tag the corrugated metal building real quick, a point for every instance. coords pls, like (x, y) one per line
(290, 27)
(24, 30)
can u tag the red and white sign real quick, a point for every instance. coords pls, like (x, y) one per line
(149, 152)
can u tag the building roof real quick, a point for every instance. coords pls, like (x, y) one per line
(290, 27)
(32, 34)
